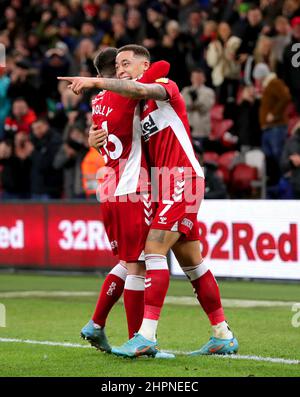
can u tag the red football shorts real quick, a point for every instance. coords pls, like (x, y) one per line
(127, 220)
(179, 212)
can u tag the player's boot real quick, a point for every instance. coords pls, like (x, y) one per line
(140, 346)
(217, 346)
(96, 337)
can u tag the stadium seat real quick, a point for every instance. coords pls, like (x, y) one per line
(226, 163)
(227, 160)
(242, 180)
(256, 158)
(211, 157)
(219, 128)
(216, 112)
(293, 123)
(291, 111)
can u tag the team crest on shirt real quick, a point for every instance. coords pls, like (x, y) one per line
(148, 127)
(114, 244)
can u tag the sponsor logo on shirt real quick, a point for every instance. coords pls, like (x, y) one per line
(149, 128)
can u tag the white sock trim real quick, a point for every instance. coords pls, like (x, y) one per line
(194, 272)
(222, 331)
(119, 271)
(148, 329)
(156, 262)
(135, 283)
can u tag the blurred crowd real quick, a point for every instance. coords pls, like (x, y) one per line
(235, 62)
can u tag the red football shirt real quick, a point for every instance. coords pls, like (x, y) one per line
(166, 133)
(126, 167)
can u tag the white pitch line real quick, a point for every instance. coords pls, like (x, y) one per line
(77, 345)
(191, 301)
(171, 300)
(245, 357)
(43, 342)
(45, 294)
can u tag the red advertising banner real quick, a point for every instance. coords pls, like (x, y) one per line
(22, 234)
(54, 235)
(77, 238)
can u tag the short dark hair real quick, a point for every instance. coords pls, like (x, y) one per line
(136, 49)
(197, 70)
(105, 61)
(41, 119)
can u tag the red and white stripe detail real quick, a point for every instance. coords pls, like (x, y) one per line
(148, 282)
(135, 283)
(156, 262)
(148, 211)
(120, 271)
(177, 195)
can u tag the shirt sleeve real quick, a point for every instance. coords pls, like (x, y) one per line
(156, 70)
(170, 86)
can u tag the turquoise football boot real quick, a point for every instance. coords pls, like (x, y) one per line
(140, 346)
(217, 346)
(96, 337)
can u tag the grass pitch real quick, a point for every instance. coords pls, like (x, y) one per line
(266, 332)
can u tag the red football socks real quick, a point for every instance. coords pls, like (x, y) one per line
(207, 292)
(111, 291)
(134, 302)
(156, 285)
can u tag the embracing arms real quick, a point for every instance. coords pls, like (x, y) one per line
(127, 88)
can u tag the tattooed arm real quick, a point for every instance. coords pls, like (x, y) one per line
(134, 89)
(128, 88)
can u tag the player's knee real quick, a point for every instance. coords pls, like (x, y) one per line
(151, 249)
(137, 268)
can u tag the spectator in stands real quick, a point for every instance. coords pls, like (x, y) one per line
(291, 8)
(272, 117)
(69, 158)
(55, 63)
(135, 27)
(263, 52)
(249, 30)
(65, 34)
(248, 127)
(290, 161)
(119, 33)
(22, 84)
(184, 10)
(282, 38)
(4, 100)
(270, 10)
(172, 48)
(290, 70)
(155, 25)
(21, 118)
(199, 100)
(221, 57)
(15, 159)
(46, 181)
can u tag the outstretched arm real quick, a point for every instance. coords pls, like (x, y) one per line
(127, 88)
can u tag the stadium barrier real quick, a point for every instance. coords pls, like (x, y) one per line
(239, 238)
